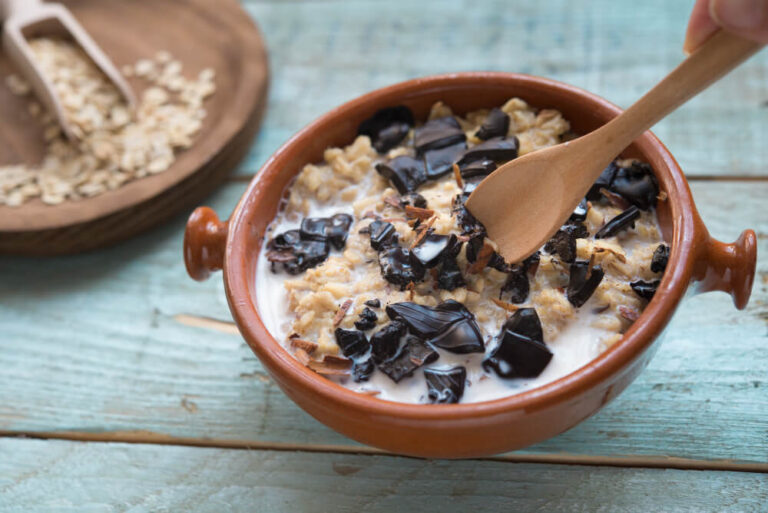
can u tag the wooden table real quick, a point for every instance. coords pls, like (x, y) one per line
(124, 386)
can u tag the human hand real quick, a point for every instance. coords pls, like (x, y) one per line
(746, 18)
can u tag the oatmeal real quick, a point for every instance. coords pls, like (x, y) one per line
(375, 275)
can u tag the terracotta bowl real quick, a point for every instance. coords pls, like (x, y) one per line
(477, 429)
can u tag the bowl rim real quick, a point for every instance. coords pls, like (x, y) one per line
(288, 371)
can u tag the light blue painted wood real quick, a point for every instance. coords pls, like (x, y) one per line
(324, 53)
(90, 344)
(66, 477)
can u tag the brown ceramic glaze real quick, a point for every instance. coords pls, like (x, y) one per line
(476, 429)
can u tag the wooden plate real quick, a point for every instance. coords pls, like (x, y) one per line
(201, 34)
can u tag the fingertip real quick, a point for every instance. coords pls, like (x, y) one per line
(700, 26)
(745, 18)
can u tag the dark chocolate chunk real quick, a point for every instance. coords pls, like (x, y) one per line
(406, 173)
(517, 284)
(361, 371)
(645, 289)
(636, 184)
(474, 244)
(603, 182)
(351, 342)
(384, 343)
(399, 266)
(583, 282)
(439, 162)
(532, 261)
(285, 240)
(470, 185)
(477, 168)
(427, 321)
(496, 124)
(414, 353)
(431, 249)
(294, 254)
(308, 254)
(580, 212)
(526, 322)
(334, 229)
(621, 222)
(313, 228)
(413, 199)
(563, 243)
(531, 264)
(496, 149)
(445, 386)
(438, 133)
(464, 218)
(460, 337)
(338, 229)
(367, 319)
(451, 305)
(449, 325)
(383, 234)
(521, 352)
(450, 277)
(660, 258)
(373, 303)
(577, 229)
(387, 127)
(497, 262)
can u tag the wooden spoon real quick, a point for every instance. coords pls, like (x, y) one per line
(32, 18)
(525, 201)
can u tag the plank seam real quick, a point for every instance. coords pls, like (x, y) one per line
(629, 461)
(197, 321)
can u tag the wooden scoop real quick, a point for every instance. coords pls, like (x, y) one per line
(31, 18)
(524, 202)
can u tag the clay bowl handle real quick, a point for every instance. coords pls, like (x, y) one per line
(204, 242)
(727, 267)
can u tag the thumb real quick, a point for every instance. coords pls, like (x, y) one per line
(747, 18)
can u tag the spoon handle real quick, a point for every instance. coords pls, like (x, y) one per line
(714, 59)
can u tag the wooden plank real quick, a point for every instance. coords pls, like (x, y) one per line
(325, 53)
(111, 344)
(74, 477)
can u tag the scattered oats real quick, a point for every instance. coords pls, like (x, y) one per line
(156, 96)
(34, 108)
(172, 68)
(207, 75)
(175, 84)
(162, 57)
(51, 132)
(115, 146)
(144, 67)
(17, 85)
(127, 70)
(159, 165)
(120, 116)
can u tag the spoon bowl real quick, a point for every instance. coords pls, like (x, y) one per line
(518, 200)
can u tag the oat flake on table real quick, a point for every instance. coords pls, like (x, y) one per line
(115, 147)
